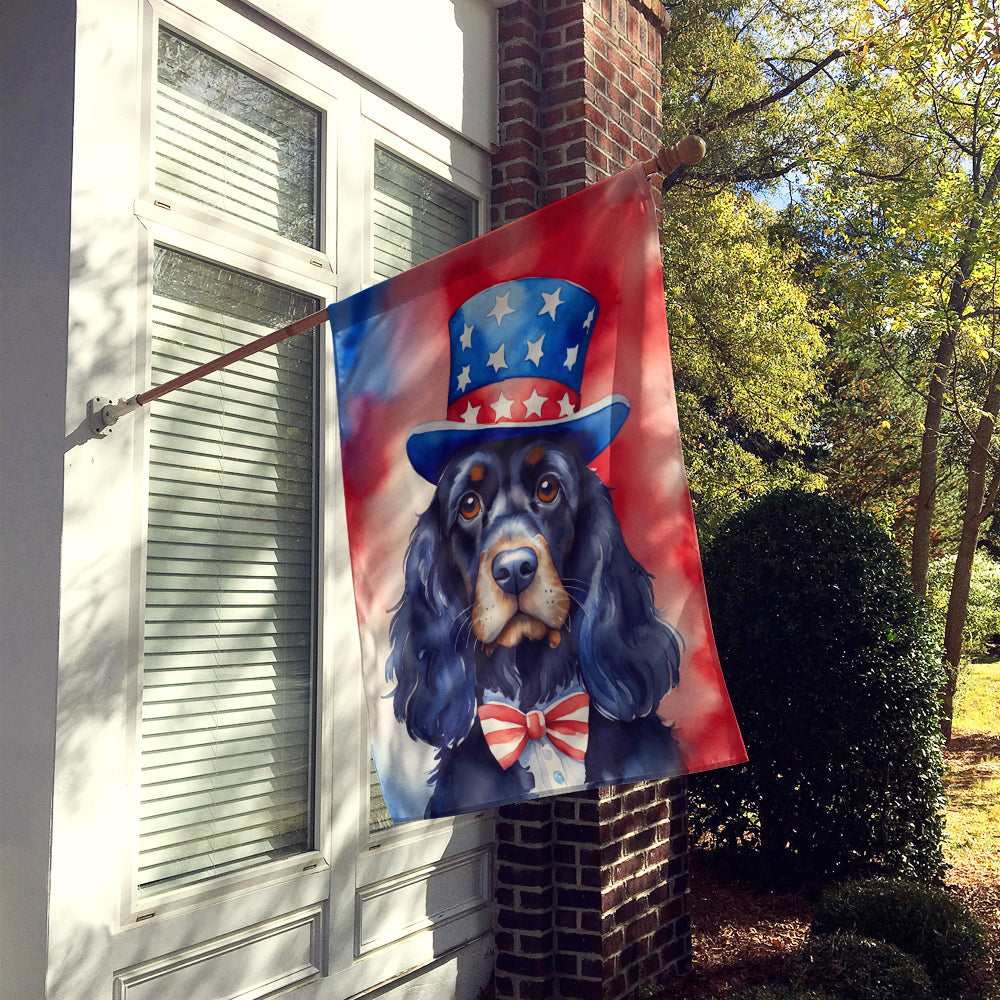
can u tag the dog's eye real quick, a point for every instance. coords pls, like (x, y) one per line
(548, 489)
(469, 506)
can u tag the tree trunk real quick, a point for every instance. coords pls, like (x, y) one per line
(980, 498)
(920, 554)
(958, 299)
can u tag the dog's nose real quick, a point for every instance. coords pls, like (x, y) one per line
(514, 570)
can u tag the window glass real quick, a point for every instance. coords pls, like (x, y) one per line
(228, 680)
(228, 140)
(416, 215)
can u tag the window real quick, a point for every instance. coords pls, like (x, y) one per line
(227, 708)
(416, 216)
(227, 140)
(252, 805)
(229, 646)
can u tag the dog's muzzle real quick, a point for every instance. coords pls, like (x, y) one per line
(518, 594)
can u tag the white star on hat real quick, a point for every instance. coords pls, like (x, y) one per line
(501, 308)
(471, 414)
(570, 358)
(497, 359)
(552, 303)
(464, 379)
(535, 350)
(534, 403)
(566, 406)
(502, 407)
(466, 339)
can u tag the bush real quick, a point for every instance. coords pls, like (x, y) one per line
(782, 993)
(833, 673)
(982, 620)
(856, 968)
(925, 922)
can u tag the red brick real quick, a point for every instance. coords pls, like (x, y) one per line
(567, 964)
(568, 133)
(535, 990)
(562, 53)
(576, 941)
(536, 967)
(521, 92)
(599, 102)
(514, 875)
(520, 149)
(520, 130)
(536, 944)
(522, 920)
(642, 882)
(519, 111)
(518, 49)
(582, 989)
(530, 899)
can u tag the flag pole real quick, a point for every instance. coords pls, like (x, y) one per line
(103, 413)
(687, 152)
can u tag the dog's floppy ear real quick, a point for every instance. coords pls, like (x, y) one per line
(435, 693)
(629, 656)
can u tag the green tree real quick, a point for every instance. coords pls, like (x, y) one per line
(878, 121)
(911, 188)
(747, 357)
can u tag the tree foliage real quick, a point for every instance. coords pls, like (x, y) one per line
(747, 357)
(747, 352)
(875, 127)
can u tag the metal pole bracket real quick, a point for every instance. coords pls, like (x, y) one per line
(103, 413)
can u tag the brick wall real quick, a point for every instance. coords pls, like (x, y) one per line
(579, 96)
(591, 889)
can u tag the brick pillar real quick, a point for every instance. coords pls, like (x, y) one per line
(579, 96)
(591, 889)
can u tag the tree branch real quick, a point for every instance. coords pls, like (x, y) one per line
(754, 106)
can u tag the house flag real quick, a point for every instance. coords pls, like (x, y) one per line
(526, 571)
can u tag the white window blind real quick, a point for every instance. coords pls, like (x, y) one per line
(416, 216)
(228, 658)
(228, 140)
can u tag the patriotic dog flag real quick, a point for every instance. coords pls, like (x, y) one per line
(526, 571)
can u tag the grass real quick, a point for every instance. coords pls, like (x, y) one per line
(972, 848)
(978, 697)
(973, 784)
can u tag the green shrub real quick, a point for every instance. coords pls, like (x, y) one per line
(833, 673)
(982, 619)
(856, 968)
(925, 922)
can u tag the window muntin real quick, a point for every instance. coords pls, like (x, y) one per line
(226, 759)
(228, 140)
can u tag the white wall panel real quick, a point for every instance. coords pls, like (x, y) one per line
(254, 964)
(416, 49)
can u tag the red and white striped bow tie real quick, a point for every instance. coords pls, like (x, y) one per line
(564, 722)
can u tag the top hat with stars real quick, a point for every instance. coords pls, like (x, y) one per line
(517, 356)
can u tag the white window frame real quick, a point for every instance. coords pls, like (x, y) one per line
(351, 876)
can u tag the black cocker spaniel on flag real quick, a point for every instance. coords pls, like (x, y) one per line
(526, 647)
